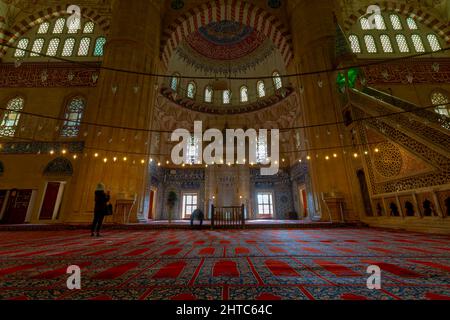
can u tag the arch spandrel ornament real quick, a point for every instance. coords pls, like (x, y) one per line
(59, 167)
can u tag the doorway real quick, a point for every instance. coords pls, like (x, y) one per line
(51, 201)
(303, 202)
(17, 206)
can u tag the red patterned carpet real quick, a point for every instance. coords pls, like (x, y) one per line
(248, 264)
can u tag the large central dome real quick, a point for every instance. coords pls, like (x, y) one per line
(224, 47)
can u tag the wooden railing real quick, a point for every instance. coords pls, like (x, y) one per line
(231, 217)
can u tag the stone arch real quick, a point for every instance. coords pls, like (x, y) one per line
(235, 10)
(423, 17)
(59, 167)
(29, 22)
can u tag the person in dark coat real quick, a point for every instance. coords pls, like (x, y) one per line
(197, 214)
(100, 210)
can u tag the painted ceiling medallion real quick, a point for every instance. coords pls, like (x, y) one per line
(225, 40)
(225, 47)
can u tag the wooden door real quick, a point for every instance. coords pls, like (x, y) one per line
(17, 207)
(50, 198)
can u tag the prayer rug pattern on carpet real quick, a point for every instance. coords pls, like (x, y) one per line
(234, 264)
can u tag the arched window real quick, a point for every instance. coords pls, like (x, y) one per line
(38, 44)
(208, 94)
(89, 27)
(69, 44)
(99, 44)
(370, 43)
(43, 28)
(261, 88)
(53, 46)
(379, 22)
(365, 25)
(412, 25)
(417, 42)
(58, 28)
(386, 43)
(277, 82)
(73, 115)
(83, 49)
(441, 100)
(22, 45)
(11, 117)
(392, 33)
(396, 22)
(54, 38)
(244, 94)
(226, 97)
(402, 43)
(434, 42)
(174, 81)
(354, 43)
(191, 90)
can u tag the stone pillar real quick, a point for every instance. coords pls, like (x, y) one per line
(314, 35)
(123, 99)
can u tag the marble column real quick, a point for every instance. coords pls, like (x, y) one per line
(122, 99)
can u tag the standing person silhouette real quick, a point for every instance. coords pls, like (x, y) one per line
(100, 210)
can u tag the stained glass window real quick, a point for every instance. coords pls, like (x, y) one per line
(244, 94)
(402, 35)
(226, 97)
(73, 116)
(56, 39)
(418, 43)
(208, 94)
(22, 45)
(277, 82)
(354, 43)
(174, 82)
(370, 43)
(434, 42)
(261, 87)
(379, 22)
(38, 44)
(69, 44)
(412, 25)
(191, 90)
(83, 50)
(89, 27)
(99, 44)
(53, 47)
(11, 117)
(365, 25)
(386, 43)
(402, 43)
(395, 22)
(59, 26)
(43, 28)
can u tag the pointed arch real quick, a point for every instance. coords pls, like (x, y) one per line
(59, 167)
(218, 10)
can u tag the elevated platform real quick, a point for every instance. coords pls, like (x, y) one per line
(182, 224)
